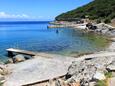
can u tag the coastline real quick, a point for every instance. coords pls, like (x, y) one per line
(48, 66)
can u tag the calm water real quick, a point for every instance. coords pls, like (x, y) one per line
(36, 37)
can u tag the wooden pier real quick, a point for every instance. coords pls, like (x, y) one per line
(18, 51)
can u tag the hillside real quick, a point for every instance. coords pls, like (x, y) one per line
(97, 9)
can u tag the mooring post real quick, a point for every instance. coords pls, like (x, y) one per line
(10, 54)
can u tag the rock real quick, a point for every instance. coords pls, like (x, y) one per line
(2, 66)
(105, 29)
(81, 72)
(99, 76)
(9, 61)
(111, 67)
(74, 84)
(19, 58)
(1, 71)
(87, 70)
(2, 79)
(58, 83)
(104, 26)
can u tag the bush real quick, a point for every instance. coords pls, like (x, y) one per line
(108, 74)
(101, 83)
(107, 20)
(98, 21)
(112, 16)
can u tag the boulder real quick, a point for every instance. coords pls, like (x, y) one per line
(99, 76)
(19, 58)
(88, 69)
(104, 26)
(81, 71)
(105, 29)
(111, 67)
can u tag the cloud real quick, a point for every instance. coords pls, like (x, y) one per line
(6, 15)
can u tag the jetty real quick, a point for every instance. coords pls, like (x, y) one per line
(11, 52)
(38, 70)
(57, 26)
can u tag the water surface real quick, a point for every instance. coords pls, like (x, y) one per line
(37, 37)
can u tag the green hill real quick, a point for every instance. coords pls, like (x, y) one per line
(97, 9)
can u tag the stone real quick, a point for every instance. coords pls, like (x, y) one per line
(74, 84)
(9, 61)
(2, 79)
(111, 67)
(105, 29)
(99, 76)
(87, 70)
(81, 71)
(1, 71)
(58, 83)
(19, 58)
(2, 66)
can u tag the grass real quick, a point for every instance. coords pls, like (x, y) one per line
(104, 82)
(108, 74)
(101, 83)
(1, 84)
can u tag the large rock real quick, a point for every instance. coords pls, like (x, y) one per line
(88, 70)
(19, 58)
(99, 76)
(81, 72)
(111, 67)
(104, 26)
(105, 29)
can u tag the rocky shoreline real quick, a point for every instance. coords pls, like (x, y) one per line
(85, 70)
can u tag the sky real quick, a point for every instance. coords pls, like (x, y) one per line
(37, 9)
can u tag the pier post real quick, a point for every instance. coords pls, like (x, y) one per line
(10, 54)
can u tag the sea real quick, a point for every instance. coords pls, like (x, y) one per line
(35, 36)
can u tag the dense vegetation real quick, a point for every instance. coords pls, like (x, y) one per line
(97, 9)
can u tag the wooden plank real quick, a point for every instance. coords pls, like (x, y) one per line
(44, 81)
(21, 51)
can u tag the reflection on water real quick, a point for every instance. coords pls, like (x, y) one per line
(36, 37)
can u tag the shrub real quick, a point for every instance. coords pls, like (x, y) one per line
(101, 83)
(107, 20)
(98, 21)
(108, 74)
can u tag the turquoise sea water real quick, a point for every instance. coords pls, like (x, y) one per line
(35, 36)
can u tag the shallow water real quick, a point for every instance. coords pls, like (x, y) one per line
(36, 37)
